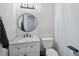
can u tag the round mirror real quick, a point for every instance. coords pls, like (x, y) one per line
(27, 22)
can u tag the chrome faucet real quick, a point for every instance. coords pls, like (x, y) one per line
(27, 35)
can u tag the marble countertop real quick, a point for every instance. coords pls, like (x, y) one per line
(25, 40)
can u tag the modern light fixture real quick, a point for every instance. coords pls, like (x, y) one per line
(28, 5)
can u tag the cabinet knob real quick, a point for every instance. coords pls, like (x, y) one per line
(18, 48)
(31, 46)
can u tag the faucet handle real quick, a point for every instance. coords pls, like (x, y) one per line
(26, 34)
(30, 35)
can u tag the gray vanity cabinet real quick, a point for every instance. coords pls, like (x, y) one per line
(25, 49)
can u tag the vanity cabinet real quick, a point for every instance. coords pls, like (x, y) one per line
(25, 49)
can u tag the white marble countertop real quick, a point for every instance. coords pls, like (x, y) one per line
(25, 39)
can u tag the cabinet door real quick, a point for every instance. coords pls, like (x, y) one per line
(33, 49)
(16, 51)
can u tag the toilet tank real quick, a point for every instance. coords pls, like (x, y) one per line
(47, 42)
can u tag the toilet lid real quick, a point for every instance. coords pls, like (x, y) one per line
(51, 52)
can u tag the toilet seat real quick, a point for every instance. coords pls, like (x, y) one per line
(51, 52)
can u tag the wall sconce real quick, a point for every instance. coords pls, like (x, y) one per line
(28, 5)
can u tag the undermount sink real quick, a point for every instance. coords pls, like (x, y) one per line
(24, 39)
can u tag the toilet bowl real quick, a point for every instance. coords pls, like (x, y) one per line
(51, 52)
(48, 44)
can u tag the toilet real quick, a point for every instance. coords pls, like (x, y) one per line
(48, 44)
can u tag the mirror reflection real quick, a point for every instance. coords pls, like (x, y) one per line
(27, 22)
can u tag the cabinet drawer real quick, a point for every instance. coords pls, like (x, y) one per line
(17, 52)
(31, 44)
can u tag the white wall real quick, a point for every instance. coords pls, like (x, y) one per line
(44, 15)
(66, 27)
(8, 14)
(45, 19)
